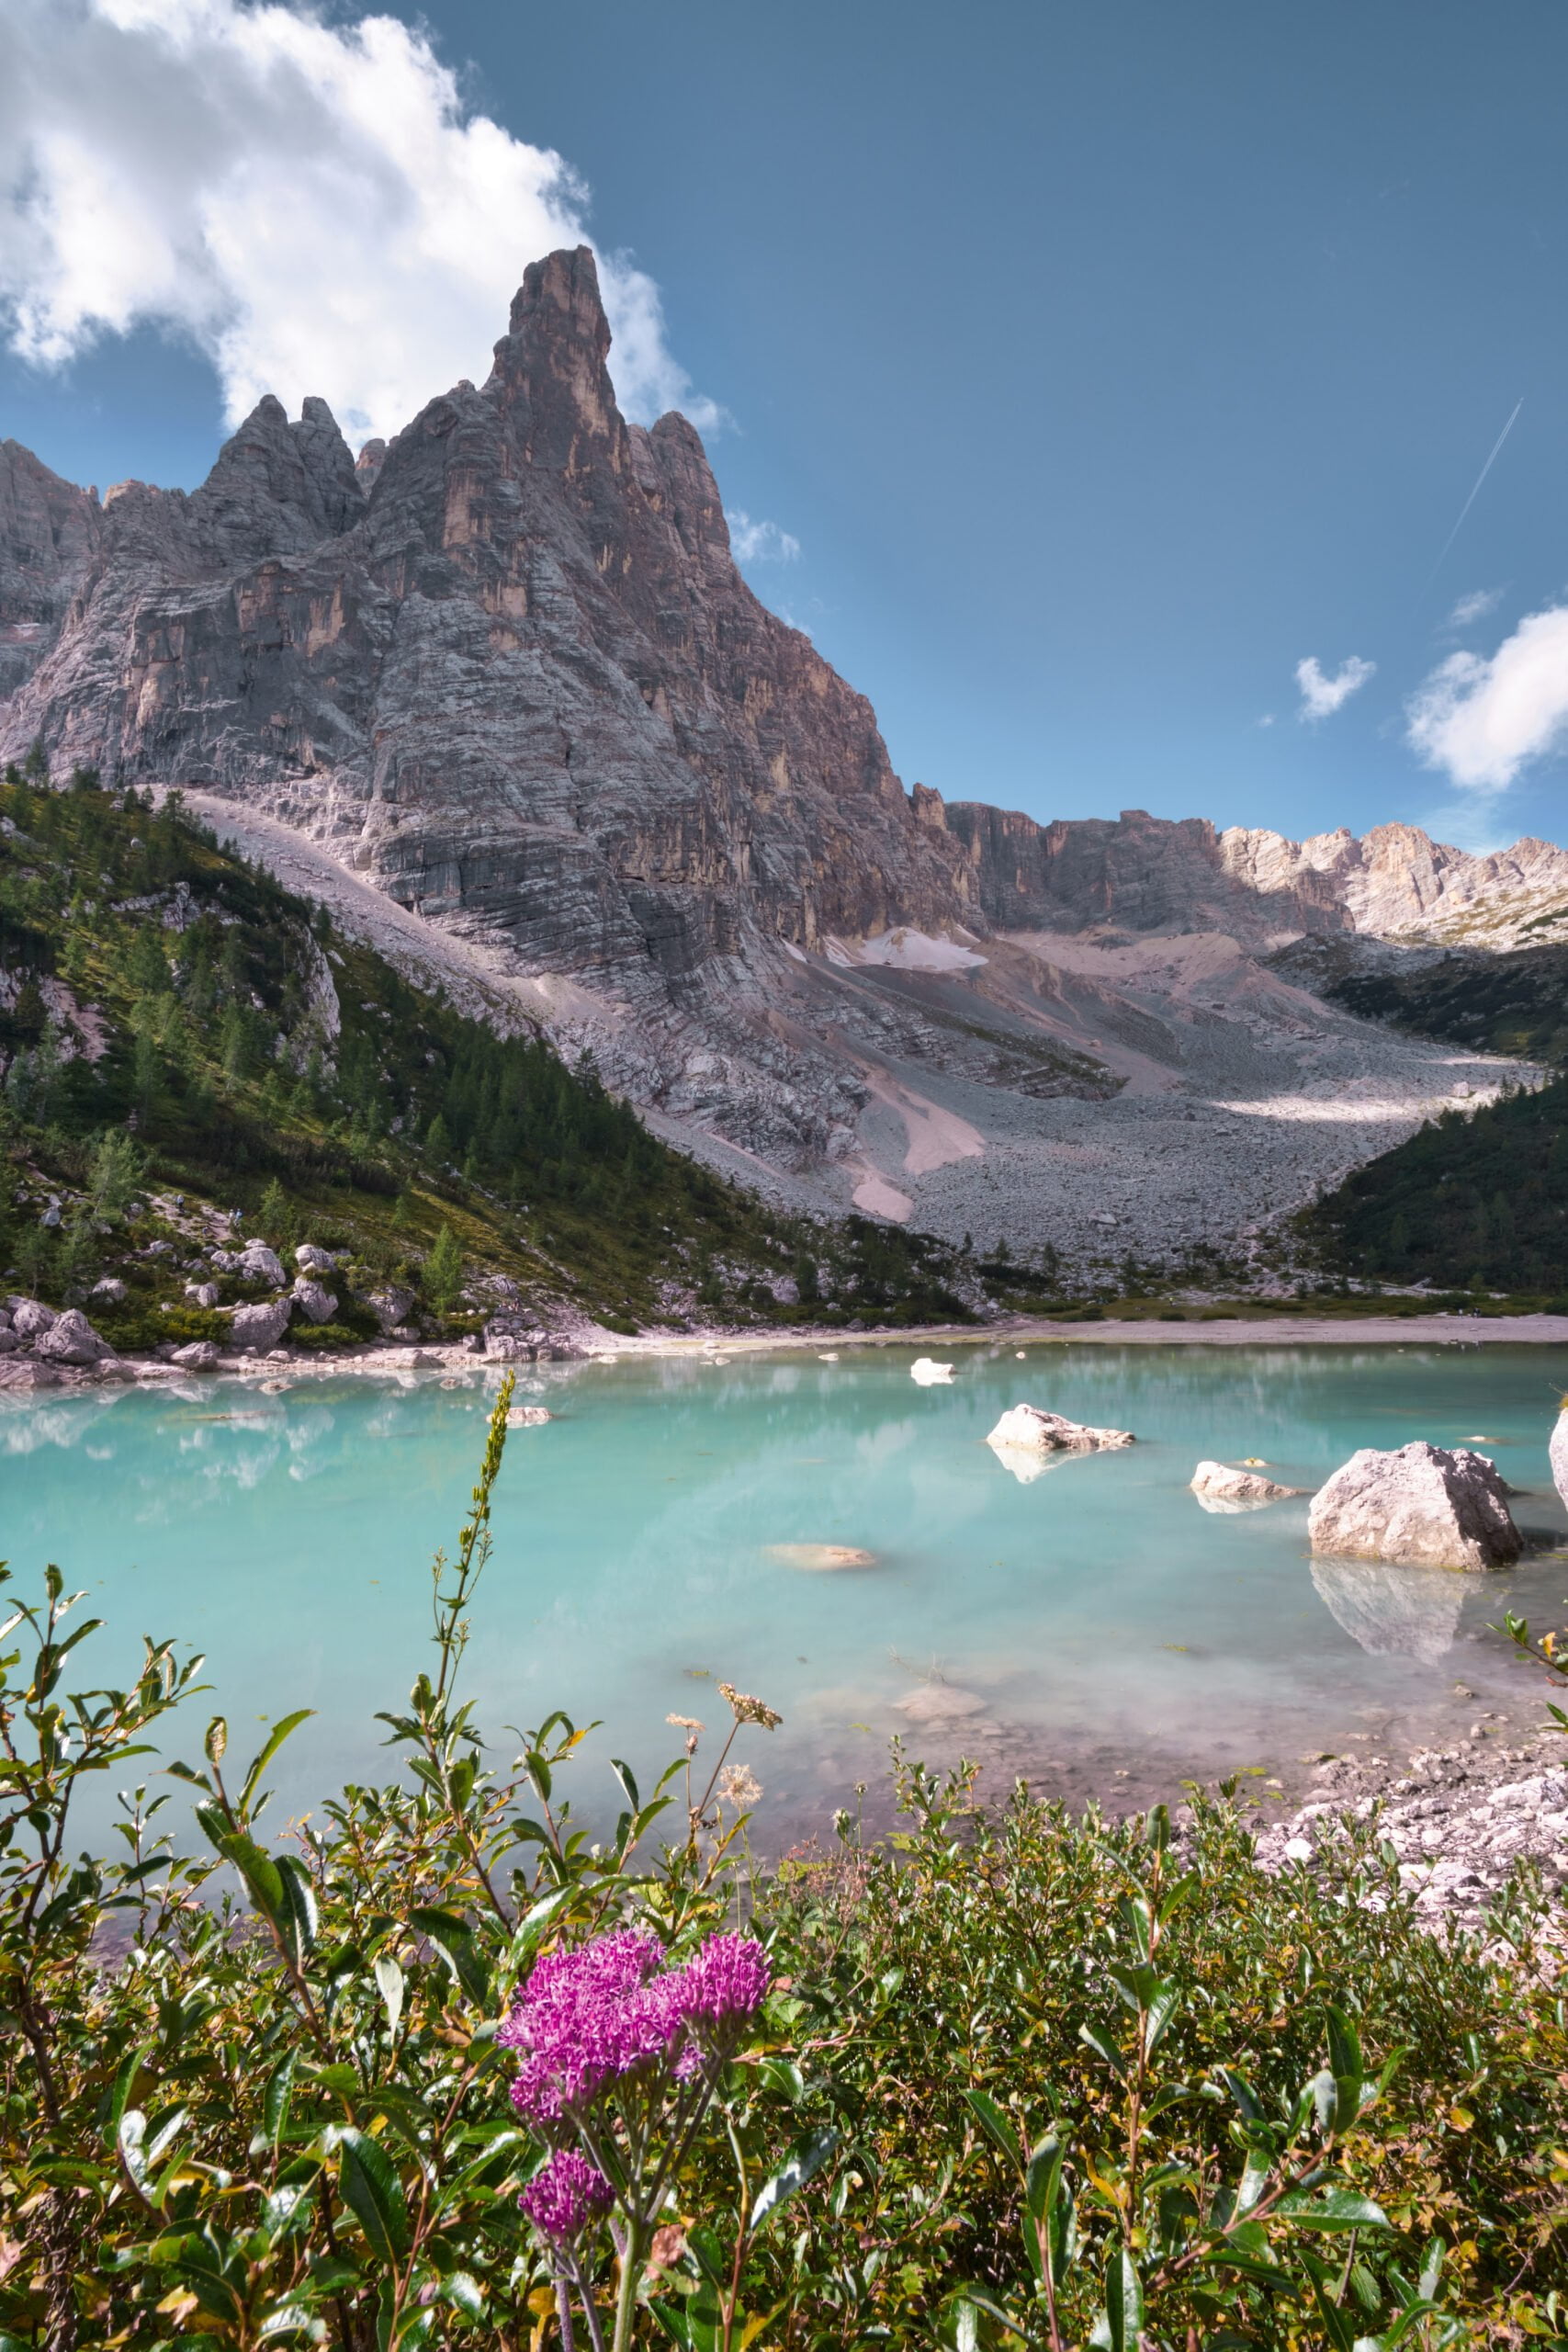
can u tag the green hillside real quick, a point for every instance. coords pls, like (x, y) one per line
(1477, 1199)
(170, 1017)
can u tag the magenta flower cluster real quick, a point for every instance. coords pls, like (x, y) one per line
(566, 2196)
(611, 2011)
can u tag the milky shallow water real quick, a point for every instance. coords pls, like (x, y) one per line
(1095, 1619)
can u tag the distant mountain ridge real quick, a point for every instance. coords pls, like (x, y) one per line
(506, 670)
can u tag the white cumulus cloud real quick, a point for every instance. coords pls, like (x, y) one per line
(1480, 721)
(1323, 694)
(309, 201)
(758, 542)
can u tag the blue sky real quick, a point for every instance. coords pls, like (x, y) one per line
(1104, 361)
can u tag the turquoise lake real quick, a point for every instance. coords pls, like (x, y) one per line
(1095, 1621)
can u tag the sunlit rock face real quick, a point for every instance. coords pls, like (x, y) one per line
(504, 671)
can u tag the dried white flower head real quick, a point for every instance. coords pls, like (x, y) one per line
(746, 1710)
(739, 1787)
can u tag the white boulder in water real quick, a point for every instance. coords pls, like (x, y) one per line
(1220, 1488)
(527, 1416)
(929, 1374)
(1027, 1429)
(1420, 1504)
(1559, 1454)
(821, 1557)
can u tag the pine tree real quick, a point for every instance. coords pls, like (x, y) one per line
(444, 1272)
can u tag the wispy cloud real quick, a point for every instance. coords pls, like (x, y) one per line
(758, 542)
(1323, 694)
(309, 202)
(1474, 607)
(1480, 721)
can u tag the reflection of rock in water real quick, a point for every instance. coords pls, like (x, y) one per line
(1393, 1611)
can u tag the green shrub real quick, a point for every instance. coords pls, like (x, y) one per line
(1022, 2079)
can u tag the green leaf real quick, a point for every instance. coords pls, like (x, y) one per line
(994, 2121)
(1334, 2209)
(1123, 2317)
(373, 2193)
(389, 1977)
(454, 1939)
(807, 2161)
(280, 1732)
(1341, 2334)
(464, 2293)
(1162, 2008)
(298, 1920)
(124, 2082)
(132, 2139)
(1102, 2046)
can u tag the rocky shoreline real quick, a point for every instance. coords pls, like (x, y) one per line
(577, 1338)
(1460, 1820)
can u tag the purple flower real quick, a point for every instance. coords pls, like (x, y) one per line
(608, 2013)
(725, 1982)
(565, 2197)
(589, 2018)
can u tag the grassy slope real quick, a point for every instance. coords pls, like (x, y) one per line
(197, 983)
(1473, 1198)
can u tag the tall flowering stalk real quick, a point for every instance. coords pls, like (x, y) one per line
(622, 2056)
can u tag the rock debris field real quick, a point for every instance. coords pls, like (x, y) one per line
(1460, 1821)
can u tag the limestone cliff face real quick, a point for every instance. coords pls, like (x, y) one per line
(520, 678)
(49, 539)
(504, 668)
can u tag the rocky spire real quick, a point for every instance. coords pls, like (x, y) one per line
(551, 370)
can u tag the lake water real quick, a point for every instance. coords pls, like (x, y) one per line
(1096, 1621)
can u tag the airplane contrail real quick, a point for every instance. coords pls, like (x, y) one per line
(1469, 502)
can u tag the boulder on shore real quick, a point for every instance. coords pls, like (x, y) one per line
(1027, 1429)
(30, 1317)
(1559, 1454)
(1420, 1504)
(260, 1327)
(21, 1372)
(1220, 1488)
(257, 1263)
(71, 1338)
(199, 1355)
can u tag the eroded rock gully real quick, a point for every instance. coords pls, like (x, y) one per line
(504, 676)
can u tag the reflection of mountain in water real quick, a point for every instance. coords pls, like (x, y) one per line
(1393, 1611)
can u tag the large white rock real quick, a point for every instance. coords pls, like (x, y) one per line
(29, 1316)
(71, 1338)
(1219, 1487)
(929, 1374)
(257, 1263)
(313, 1260)
(199, 1355)
(260, 1327)
(1559, 1454)
(1027, 1429)
(1421, 1504)
(314, 1301)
